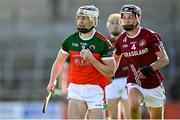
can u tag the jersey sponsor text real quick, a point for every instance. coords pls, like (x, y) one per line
(135, 53)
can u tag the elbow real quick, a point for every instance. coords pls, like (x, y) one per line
(166, 61)
(111, 75)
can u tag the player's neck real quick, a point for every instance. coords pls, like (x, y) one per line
(134, 32)
(87, 36)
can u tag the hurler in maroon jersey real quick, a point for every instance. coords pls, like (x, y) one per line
(144, 51)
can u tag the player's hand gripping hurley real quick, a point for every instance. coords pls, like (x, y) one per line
(47, 99)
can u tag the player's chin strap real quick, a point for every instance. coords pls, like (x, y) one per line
(85, 30)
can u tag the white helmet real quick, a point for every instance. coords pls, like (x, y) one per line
(90, 11)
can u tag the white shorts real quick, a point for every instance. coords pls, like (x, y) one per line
(117, 89)
(154, 97)
(93, 95)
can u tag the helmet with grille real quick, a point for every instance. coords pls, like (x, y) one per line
(90, 11)
(131, 9)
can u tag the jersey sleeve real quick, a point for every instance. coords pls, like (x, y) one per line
(68, 59)
(156, 43)
(65, 44)
(107, 52)
(117, 48)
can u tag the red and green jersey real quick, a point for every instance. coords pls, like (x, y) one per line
(81, 71)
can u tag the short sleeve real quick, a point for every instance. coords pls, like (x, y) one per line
(156, 43)
(107, 52)
(65, 44)
(68, 59)
(117, 48)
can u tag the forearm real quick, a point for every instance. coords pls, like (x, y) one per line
(64, 76)
(57, 66)
(104, 69)
(160, 63)
(117, 59)
(55, 71)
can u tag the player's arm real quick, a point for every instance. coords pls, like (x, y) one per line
(162, 60)
(64, 78)
(117, 54)
(162, 57)
(117, 59)
(106, 68)
(56, 69)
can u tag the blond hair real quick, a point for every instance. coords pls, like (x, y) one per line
(114, 16)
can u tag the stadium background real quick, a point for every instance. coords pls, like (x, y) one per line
(31, 32)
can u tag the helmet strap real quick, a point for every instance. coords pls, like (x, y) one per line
(128, 27)
(85, 30)
(138, 19)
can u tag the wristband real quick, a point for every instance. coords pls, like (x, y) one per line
(146, 70)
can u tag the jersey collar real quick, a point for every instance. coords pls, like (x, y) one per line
(89, 37)
(139, 30)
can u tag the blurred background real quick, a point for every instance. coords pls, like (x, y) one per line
(31, 33)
